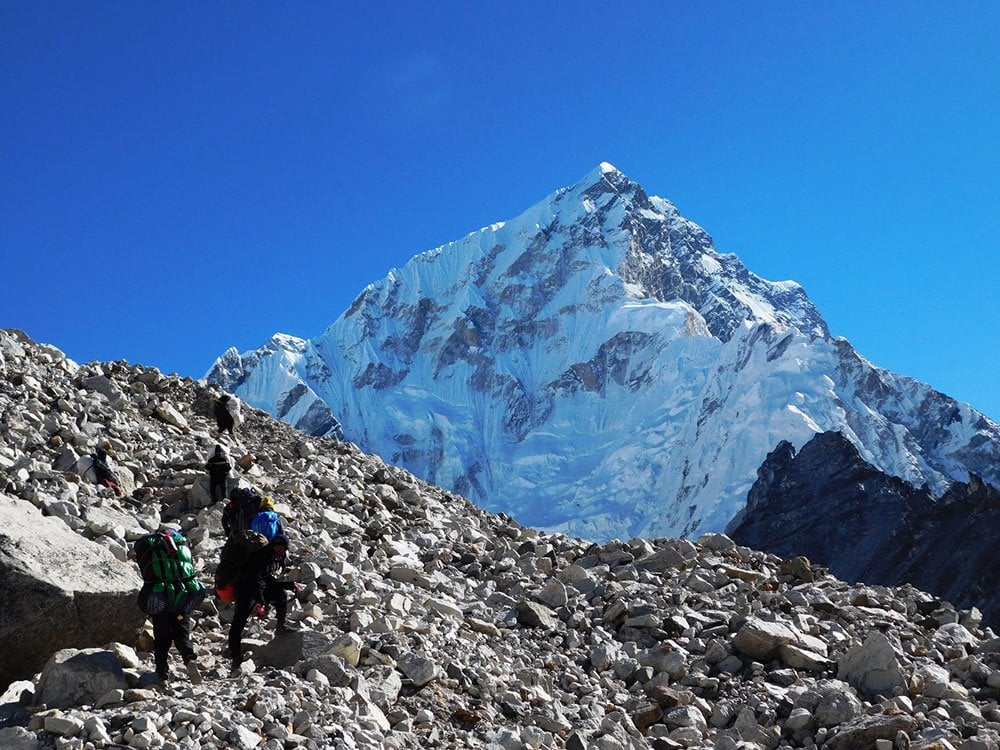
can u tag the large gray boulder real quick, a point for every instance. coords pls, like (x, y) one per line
(75, 677)
(872, 667)
(19, 738)
(58, 590)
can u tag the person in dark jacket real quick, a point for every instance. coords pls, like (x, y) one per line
(218, 467)
(227, 413)
(258, 584)
(103, 473)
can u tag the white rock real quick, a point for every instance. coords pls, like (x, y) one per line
(64, 726)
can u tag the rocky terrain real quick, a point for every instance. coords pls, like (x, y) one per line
(427, 622)
(828, 503)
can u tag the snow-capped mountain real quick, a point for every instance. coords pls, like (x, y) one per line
(596, 366)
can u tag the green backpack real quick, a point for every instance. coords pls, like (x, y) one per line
(170, 583)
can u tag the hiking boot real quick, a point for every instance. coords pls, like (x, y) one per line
(284, 628)
(193, 672)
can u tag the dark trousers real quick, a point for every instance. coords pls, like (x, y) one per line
(217, 489)
(169, 627)
(274, 594)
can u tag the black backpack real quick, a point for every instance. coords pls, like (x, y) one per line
(239, 511)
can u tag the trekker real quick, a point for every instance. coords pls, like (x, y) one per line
(102, 471)
(243, 505)
(227, 413)
(218, 467)
(169, 594)
(267, 521)
(257, 584)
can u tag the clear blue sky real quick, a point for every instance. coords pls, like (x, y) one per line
(177, 178)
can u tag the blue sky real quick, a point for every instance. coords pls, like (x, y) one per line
(179, 178)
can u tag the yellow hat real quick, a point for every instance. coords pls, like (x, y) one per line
(267, 502)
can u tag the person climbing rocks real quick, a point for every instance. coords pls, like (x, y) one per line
(227, 413)
(170, 592)
(103, 474)
(267, 521)
(239, 512)
(257, 585)
(218, 467)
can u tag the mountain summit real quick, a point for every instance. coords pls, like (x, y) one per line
(595, 366)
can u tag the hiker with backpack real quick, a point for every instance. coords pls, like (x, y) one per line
(226, 409)
(170, 592)
(103, 474)
(257, 585)
(266, 521)
(243, 505)
(218, 467)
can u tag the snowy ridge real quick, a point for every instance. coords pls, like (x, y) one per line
(596, 366)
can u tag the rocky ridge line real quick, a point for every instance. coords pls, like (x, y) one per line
(431, 623)
(828, 503)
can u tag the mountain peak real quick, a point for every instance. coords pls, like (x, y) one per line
(601, 319)
(606, 173)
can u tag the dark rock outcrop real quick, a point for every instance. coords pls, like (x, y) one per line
(830, 505)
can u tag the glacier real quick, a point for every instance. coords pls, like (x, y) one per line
(596, 366)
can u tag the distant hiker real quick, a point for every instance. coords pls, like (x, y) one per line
(103, 474)
(243, 505)
(267, 521)
(169, 594)
(218, 467)
(227, 413)
(257, 583)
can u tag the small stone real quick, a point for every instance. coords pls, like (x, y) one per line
(64, 726)
(685, 716)
(554, 593)
(418, 669)
(535, 615)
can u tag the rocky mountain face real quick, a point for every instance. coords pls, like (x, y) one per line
(596, 367)
(428, 622)
(826, 502)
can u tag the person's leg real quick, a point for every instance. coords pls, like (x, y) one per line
(275, 595)
(181, 637)
(244, 604)
(161, 642)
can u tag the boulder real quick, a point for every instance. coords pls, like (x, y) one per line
(418, 668)
(862, 733)
(662, 560)
(348, 647)
(872, 667)
(76, 677)
(171, 416)
(103, 520)
(199, 494)
(288, 650)
(762, 640)
(59, 591)
(535, 615)
(19, 738)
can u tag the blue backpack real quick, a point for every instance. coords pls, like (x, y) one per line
(266, 522)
